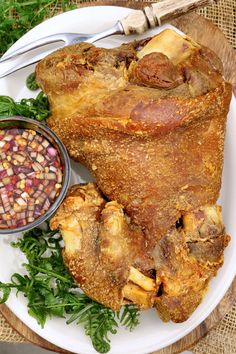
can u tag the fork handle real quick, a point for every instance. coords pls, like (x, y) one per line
(138, 21)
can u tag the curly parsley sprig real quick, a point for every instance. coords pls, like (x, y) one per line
(51, 291)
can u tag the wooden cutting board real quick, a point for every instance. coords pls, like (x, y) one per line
(204, 32)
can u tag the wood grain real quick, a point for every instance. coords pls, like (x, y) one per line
(210, 322)
(166, 10)
(139, 21)
(206, 33)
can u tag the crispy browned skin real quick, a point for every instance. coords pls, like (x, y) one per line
(102, 248)
(147, 118)
(186, 258)
(109, 258)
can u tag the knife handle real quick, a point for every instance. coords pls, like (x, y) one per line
(139, 21)
(166, 10)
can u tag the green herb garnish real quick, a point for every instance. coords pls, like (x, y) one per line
(48, 286)
(18, 17)
(31, 82)
(35, 108)
(51, 291)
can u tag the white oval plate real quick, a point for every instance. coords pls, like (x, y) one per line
(152, 334)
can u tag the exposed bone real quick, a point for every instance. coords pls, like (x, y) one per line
(170, 43)
(138, 296)
(72, 234)
(140, 279)
(209, 213)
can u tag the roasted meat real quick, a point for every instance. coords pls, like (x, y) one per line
(103, 251)
(147, 118)
(186, 258)
(108, 257)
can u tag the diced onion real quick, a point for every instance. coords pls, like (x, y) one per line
(30, 176)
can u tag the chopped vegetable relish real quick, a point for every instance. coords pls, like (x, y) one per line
(30, 176)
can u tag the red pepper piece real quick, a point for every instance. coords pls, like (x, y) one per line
(36, 182)
(14, 179)
(28, 190)
(6, 147)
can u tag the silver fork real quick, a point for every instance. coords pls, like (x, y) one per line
(67, 38)
(138, 21)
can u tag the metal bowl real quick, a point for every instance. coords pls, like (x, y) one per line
(22, 122)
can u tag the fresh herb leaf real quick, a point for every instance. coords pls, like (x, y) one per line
(35, 108)
(19, 16)
(5, 289)
(129, 317)
(31, 82)
(51, 291)
(49, 288)
(97, 320)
